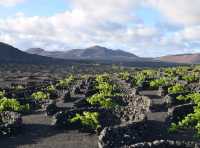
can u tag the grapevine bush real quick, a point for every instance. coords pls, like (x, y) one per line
(138, 79)
(190, 78)
(2, 94)
(65, 83)
(88, 119)
(105, 92)
(12, 105)
(159, 82)
(149, 73)
(40, 96)
(51, 89)
(102, 100)
(124, 75)
(177, 88)
(192, 120)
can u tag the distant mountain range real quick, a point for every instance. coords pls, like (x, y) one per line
(10, 54)
(91, 53)
(182, 58)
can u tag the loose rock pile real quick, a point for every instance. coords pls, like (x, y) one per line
(122, 135)
(135, 109)
(10, 122)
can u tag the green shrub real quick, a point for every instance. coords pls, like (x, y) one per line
(177, 88)
(149, 73)
(51, 89)
(182, 70)
(169, 72)
(102, 78)
(190, 78)
(105, 88)
(9, 105)
(40, 95)
(138, 79)
(192, 96)
(88, 119)
(182, 98)
(159, 82)
(102, 100)
(124, 75)
(2, 94)
(65, 83)
(173, 128)
(175, 71)
(192, 120)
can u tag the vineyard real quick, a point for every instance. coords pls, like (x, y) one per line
(120, 108)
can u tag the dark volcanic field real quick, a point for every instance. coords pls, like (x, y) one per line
(141, 118)
(37, 132)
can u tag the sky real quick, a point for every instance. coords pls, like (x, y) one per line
(147, 28)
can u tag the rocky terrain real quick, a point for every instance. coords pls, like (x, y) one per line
(129, 113)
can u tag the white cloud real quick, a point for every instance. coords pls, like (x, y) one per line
(117, 10)
(75, 31)
(184, 12)
(85, 25)
(9, 3)
(111, 23)
(190, 33)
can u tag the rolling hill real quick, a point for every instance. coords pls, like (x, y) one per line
(10, 54)
(182, 58)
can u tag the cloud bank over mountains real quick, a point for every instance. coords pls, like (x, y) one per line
(111, 23)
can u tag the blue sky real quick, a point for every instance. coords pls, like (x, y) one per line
(149, 16)
(144, 27)
(36, 8)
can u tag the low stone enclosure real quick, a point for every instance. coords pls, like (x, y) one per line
(132, 134)
(118, 127)
(121, 135)
(165, 144)
(107, 117)
(178, 112)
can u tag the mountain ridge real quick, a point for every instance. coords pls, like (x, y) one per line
(10, 54)
(94, 52)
